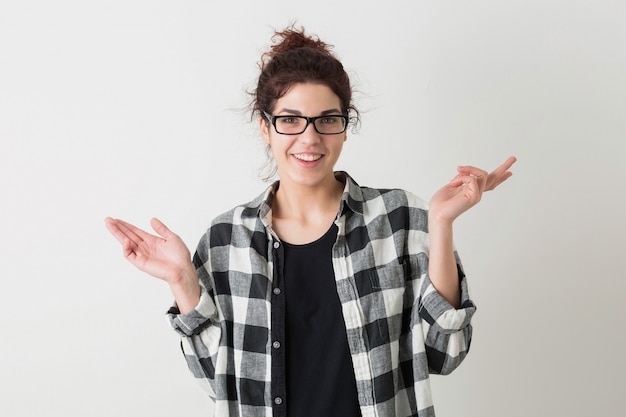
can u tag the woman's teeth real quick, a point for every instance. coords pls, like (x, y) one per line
(307, 157)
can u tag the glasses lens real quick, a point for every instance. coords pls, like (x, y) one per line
(330, 124)
(290, 124)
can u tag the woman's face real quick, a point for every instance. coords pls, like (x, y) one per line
(306, 159)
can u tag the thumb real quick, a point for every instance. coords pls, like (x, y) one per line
(455, 182)
(160, 228)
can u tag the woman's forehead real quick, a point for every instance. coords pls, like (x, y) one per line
(307, 97)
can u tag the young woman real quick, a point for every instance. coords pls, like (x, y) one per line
(319, 297)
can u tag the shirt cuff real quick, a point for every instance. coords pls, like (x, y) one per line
(197, 319)
(438, 312)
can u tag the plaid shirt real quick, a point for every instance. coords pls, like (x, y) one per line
(399, 328)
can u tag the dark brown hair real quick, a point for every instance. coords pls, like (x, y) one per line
(296, 57)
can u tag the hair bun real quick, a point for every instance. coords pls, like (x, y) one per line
(294, 38)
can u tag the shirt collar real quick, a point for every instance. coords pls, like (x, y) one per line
(352, 194)
(352, 199)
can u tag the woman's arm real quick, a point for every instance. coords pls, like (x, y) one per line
(459, 195)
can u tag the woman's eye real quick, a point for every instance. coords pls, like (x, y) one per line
(329, 120)
(290, 120)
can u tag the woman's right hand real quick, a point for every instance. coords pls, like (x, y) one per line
(164, 256)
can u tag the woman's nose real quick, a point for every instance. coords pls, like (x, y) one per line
(309, 134)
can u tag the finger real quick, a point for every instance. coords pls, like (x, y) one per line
(127, 239)
(456, 181)
(161, 228)
(501, 173)
(504, 167)
(113, 226)
(480, 175)
(467, 169)
(471, 170)
(128, 232)
(497, 181)
(136, 234)
(470, 182)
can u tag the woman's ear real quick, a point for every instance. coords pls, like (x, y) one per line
(265, 131)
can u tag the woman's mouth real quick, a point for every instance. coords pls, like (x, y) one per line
(307, 157)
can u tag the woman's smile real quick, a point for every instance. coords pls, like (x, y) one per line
(308, 157)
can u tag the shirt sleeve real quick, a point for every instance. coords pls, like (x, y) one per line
(200, 329)
(447, 330)
(196, 320)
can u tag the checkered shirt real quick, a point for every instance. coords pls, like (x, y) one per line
(399, 328)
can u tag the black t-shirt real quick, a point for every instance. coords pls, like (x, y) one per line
(320, 376)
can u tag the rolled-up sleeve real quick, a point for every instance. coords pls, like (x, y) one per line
(447, 330)
(197, 319)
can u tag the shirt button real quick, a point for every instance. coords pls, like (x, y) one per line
(276, 245)
(278, 401)
(276, 344)
(277, 291)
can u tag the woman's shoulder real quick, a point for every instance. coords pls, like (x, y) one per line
(241, 223)
(393, 195)
(389, 196)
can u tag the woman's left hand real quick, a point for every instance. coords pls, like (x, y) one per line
(466, 189)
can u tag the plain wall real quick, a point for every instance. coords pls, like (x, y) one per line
(134, 109)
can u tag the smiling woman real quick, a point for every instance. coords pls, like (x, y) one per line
(307, 158)
(319, 297)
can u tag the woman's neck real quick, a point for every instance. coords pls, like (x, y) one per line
(301, 202)
(301, 214)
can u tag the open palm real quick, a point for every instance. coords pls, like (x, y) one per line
(164, 256)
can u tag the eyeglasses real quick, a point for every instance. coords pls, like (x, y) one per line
(332, 124)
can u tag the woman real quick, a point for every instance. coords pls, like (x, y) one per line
(319, 297)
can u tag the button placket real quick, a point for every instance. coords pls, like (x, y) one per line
(278, 328)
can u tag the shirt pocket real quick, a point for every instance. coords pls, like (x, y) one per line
(389, 277)
(384, 305)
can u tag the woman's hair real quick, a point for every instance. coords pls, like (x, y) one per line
(295, 57)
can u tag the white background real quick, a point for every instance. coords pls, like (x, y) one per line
(136, 109)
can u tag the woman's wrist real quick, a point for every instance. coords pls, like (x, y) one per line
(442, 263)
(186, 291)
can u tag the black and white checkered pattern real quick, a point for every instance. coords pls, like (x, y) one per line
(399, 328)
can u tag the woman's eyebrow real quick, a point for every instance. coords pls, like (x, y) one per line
(331, 111)
(299, 113)
(290, 111)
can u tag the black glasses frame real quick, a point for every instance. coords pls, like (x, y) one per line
(309, 120)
